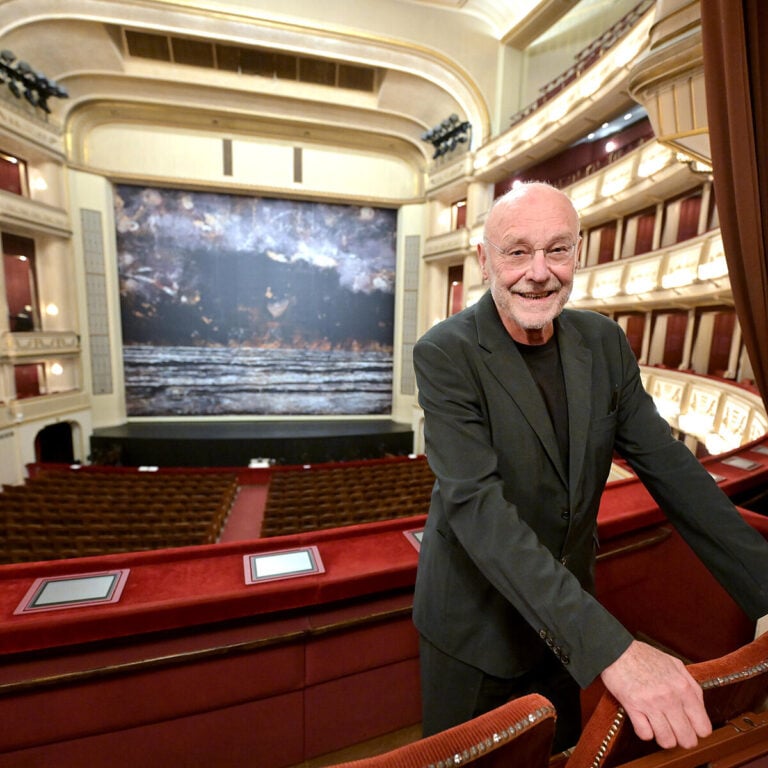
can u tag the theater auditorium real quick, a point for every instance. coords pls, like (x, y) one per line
(224, 226)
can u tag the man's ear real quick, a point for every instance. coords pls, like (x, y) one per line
(481, 257)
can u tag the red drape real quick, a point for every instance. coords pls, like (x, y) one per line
(734, 35)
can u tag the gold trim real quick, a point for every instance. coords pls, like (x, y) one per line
(330, 32)
(87, 116)
(495, 740)
(664, 67)
(669, 141)
(283, 193)
(613, 729)
(634, 546)
(336, 32)
(202, 654)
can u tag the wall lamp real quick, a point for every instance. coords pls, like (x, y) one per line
(24, 82)
(447, 135)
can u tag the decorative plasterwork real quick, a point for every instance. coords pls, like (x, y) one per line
(31, 215)
(669, 83)
(41, 137)
(442, 80)
(39, 344)
(688, 274)
(570, 114)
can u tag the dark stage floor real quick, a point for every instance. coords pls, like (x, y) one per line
(235, 443)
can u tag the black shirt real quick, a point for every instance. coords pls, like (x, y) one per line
(543, 362)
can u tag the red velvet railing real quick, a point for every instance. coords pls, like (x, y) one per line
(192, 657)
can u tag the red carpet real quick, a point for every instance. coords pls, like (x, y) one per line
(246, 515)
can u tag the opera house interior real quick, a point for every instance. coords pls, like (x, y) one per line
(224, 226)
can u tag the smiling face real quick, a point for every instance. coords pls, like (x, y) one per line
(531, 218)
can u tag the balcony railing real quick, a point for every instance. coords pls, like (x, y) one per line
(573, 103)
(448, 244)
(720, 415)
(687, 271)
(38, 344)
(31, 214)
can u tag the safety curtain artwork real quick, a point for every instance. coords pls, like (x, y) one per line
(240, 305)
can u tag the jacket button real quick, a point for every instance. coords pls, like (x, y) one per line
(564, 560)
(565, 514)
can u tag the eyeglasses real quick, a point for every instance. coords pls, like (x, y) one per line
(522, 255)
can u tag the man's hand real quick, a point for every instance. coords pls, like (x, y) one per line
(659, 696)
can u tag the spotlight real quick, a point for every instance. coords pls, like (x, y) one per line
(24, 82)
(447, 135)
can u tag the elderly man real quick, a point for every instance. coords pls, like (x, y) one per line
(525, 403)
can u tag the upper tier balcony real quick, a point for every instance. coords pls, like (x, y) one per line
(687, 274)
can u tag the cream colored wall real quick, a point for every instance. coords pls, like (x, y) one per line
(27, 432)
(259, 166)
(555, 51)
(53, 270)
(94, 193)
(411, 221)
(656, 350)
(262, 164)
(703, 344)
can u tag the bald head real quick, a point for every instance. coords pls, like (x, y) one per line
(531, 198)
(528, 255)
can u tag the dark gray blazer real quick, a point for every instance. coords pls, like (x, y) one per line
(506, 568)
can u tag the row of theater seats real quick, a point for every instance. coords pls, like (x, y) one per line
(519, 734)
(60, 514)
(346, 494)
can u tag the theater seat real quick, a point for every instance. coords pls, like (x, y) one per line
(516, 735)
(734, 685)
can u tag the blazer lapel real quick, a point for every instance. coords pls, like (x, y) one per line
(506, 363)
(577, 371)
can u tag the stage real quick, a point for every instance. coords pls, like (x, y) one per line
(235, 443)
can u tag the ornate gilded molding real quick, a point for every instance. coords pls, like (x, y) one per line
(39, 344)
(31, 129)
(33, 215)
(669, 80)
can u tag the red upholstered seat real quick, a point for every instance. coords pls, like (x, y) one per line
(734, 684)
(516, 735)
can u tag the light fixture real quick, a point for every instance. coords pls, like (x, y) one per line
(605, 290)
(678, 278)
(448, 135)
(24, 82)
(640, 284)
(696, 165)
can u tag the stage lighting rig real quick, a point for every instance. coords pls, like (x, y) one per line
(447, 135)
(24, 82)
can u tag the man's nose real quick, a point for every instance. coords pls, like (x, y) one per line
(538, 268)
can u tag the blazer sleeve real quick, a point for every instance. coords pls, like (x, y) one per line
(734, 552)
